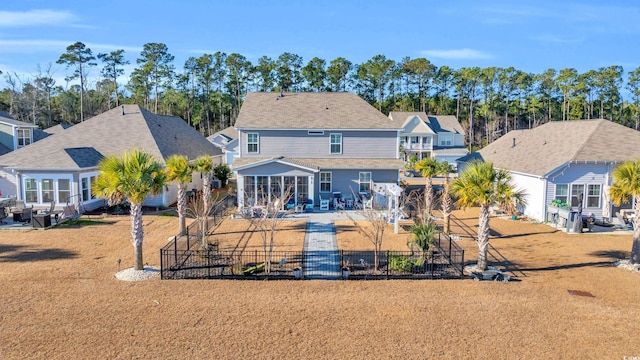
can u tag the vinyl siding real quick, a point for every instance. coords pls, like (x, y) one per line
(298, 144)
(6, 136)
(8, 183)
(534, 188)
(585, 174)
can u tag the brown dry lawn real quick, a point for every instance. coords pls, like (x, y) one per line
(60, 300)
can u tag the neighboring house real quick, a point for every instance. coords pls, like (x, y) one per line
(14, 134)
(313, 143)
(227, 141)
(440, 137)
(566, 160)
(62, 167)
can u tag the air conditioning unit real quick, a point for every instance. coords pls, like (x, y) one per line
(216, 184)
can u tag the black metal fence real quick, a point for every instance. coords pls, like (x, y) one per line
(181, 246)
(198, 263)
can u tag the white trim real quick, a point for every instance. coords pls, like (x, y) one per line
(320, 182)
(257, 143)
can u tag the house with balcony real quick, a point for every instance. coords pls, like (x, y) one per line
(317, 145)
(429, 136)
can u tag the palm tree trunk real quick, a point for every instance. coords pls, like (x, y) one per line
(483, 237)
(635, 248)
(428, 200)
(182, 207)
(137, 234)
(446, 206)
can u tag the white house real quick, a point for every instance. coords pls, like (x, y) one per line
(62, 166)
(567, 160)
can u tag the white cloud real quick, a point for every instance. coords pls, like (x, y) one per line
(457, 54)
(42, 45)
(36, 18)
(550, 38)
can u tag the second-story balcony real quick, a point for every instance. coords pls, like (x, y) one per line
(417, 146)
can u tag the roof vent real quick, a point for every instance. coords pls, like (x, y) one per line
(122, 110)
(326, 107)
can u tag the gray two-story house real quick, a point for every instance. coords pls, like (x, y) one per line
(430, 136)
(314, 145)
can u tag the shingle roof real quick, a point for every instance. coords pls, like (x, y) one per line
(8, 119)
(325, 164)
(112, 133)
(310, 111)
(438, 123)
(540, 150)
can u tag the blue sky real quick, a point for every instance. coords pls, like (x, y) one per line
(528, 35)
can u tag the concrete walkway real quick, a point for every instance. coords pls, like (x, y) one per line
(322, 259)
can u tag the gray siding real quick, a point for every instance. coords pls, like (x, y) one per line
(6, 136)
(584, 174)
(346, 181)
(298, 144)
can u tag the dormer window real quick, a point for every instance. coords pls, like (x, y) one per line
(24, 137)
(446, 140)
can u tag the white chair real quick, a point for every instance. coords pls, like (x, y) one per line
(324, 204)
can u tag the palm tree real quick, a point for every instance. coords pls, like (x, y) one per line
(428, 167)
(179, 171)
(626, 184)
(444, 169)
(132, 177)
(481, 184)
(204, 165)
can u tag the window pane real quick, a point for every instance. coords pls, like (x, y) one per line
(302, 189)
(85, 189)
(249, 190)
(336, 143)
(365, 181)
(64, 190)
(31, 190)
(577, 194)
(562, 190)
(593, 197)
(252, 143)
(325, 182)
(47, 190)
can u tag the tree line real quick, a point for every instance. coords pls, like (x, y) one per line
(207, 91)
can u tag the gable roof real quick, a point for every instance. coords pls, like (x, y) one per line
(540, 150)
(340, 110)
(437, 123)
(112, 133)
(9, 120)
(224, 136)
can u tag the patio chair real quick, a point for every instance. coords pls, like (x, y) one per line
(3, 215)
(324, 204)
(291, 204)
(52, 211)
(624, 225)
(308, 207)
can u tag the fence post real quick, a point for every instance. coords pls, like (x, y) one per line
(161, 265)
(175, 249)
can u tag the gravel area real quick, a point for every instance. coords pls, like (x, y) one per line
(131, 274)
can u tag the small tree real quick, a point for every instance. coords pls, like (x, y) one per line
(266, 220)
(204, 165)
(179, 171)
(444, 169)
(197, 209)
(481, 184)
(373, 228)
(428, 167)
(222, 172)
(133, 177)
(626, 186)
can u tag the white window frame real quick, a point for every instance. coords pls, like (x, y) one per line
(60, 191)
(565, 196)
(36, 183)
(366, 183)
(572, 195)
(256, 143)
(24, 137)
(594, 196)
(332, 143)
(325, 181)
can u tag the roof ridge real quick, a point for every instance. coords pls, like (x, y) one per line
(587, 139)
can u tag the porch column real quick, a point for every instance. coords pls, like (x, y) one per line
(311, 189)
(240, 191)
